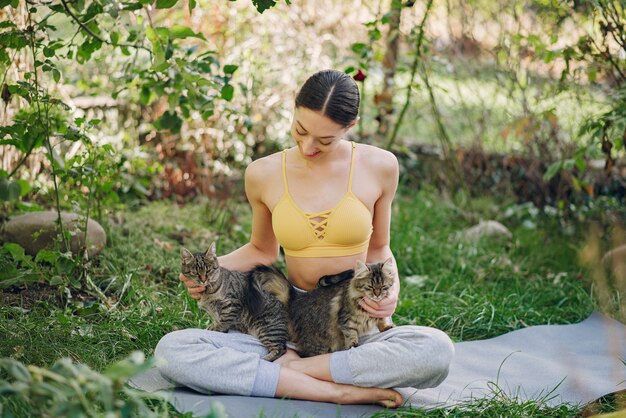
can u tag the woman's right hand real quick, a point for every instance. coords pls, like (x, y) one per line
(194, 289)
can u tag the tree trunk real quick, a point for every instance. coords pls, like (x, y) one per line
(384, 100)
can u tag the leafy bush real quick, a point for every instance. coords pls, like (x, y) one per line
(68, 389)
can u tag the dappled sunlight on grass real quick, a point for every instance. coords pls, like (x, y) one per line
(470, 290)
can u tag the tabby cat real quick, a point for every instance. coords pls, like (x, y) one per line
(329, 318)
(237, 301)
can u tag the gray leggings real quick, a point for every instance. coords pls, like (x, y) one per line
(231, 363)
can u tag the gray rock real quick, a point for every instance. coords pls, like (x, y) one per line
(491, 229)
(37, 230)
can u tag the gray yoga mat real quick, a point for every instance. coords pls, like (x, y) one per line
(557, 364)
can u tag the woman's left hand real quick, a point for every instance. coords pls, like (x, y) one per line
(385, 307)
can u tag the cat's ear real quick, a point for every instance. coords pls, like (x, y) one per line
(360, 268)
(211, 251)
(185, 255)
(387, 266)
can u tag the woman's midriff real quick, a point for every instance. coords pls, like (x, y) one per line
(305, 272)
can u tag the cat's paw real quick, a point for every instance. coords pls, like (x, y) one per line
(352, 342)
(218, 328)
(387, 327)
(274, 354)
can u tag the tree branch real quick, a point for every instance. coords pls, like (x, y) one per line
(418, 55)
(95, 36)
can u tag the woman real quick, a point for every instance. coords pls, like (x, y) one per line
(290, 194)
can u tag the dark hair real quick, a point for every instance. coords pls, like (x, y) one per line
(333, 93)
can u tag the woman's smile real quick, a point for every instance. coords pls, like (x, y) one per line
(312, 155)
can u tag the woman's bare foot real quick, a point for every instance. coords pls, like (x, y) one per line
(388, 398)
(297, 385)
(287, 358)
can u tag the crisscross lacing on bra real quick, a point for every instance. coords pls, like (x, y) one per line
(342, 230)
(319, 222)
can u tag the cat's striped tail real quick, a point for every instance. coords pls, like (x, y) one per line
(273, 281)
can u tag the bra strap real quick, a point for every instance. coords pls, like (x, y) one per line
(351, 166)
(285, 171)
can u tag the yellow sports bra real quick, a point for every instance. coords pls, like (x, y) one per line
(340, 231)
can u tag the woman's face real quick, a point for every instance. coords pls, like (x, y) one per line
(316, 134)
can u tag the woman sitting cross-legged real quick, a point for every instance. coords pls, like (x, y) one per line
(327, 202)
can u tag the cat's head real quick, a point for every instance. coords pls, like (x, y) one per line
(202, 268)
(373, 280)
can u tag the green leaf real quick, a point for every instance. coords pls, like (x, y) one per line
(228, 92)
(592, 74)
(358, 47)
(165, 4)
(163, 32)
(65, 264)
(181, 32)
(16, 251)
(169, 50)
(207, 114)
(16, 369)
(48, 391)
(162, 67)
(552, 170)
(25, 187)
(131, 6)
(115, 37)
(13, 277)
(192, 5)
(4, 57)
(144, 95)
(12, 3)
(169, 120)
(9, 190)
(157, 49)
(549, 57)
(375, 34)
(47, 256)
(229, 69)
(263, 5)
(56, 74)
(133, 364)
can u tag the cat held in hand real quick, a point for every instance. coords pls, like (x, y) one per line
(236, 300)
(329, 318)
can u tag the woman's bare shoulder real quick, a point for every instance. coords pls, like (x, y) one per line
(378, 159)
(263, 167)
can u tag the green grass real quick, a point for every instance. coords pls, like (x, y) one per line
(470, 291)
(480, 291)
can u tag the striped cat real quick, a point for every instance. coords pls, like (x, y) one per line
(236, 300)
(329, 318)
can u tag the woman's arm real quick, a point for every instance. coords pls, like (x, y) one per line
(379, 249)
(263, 246)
